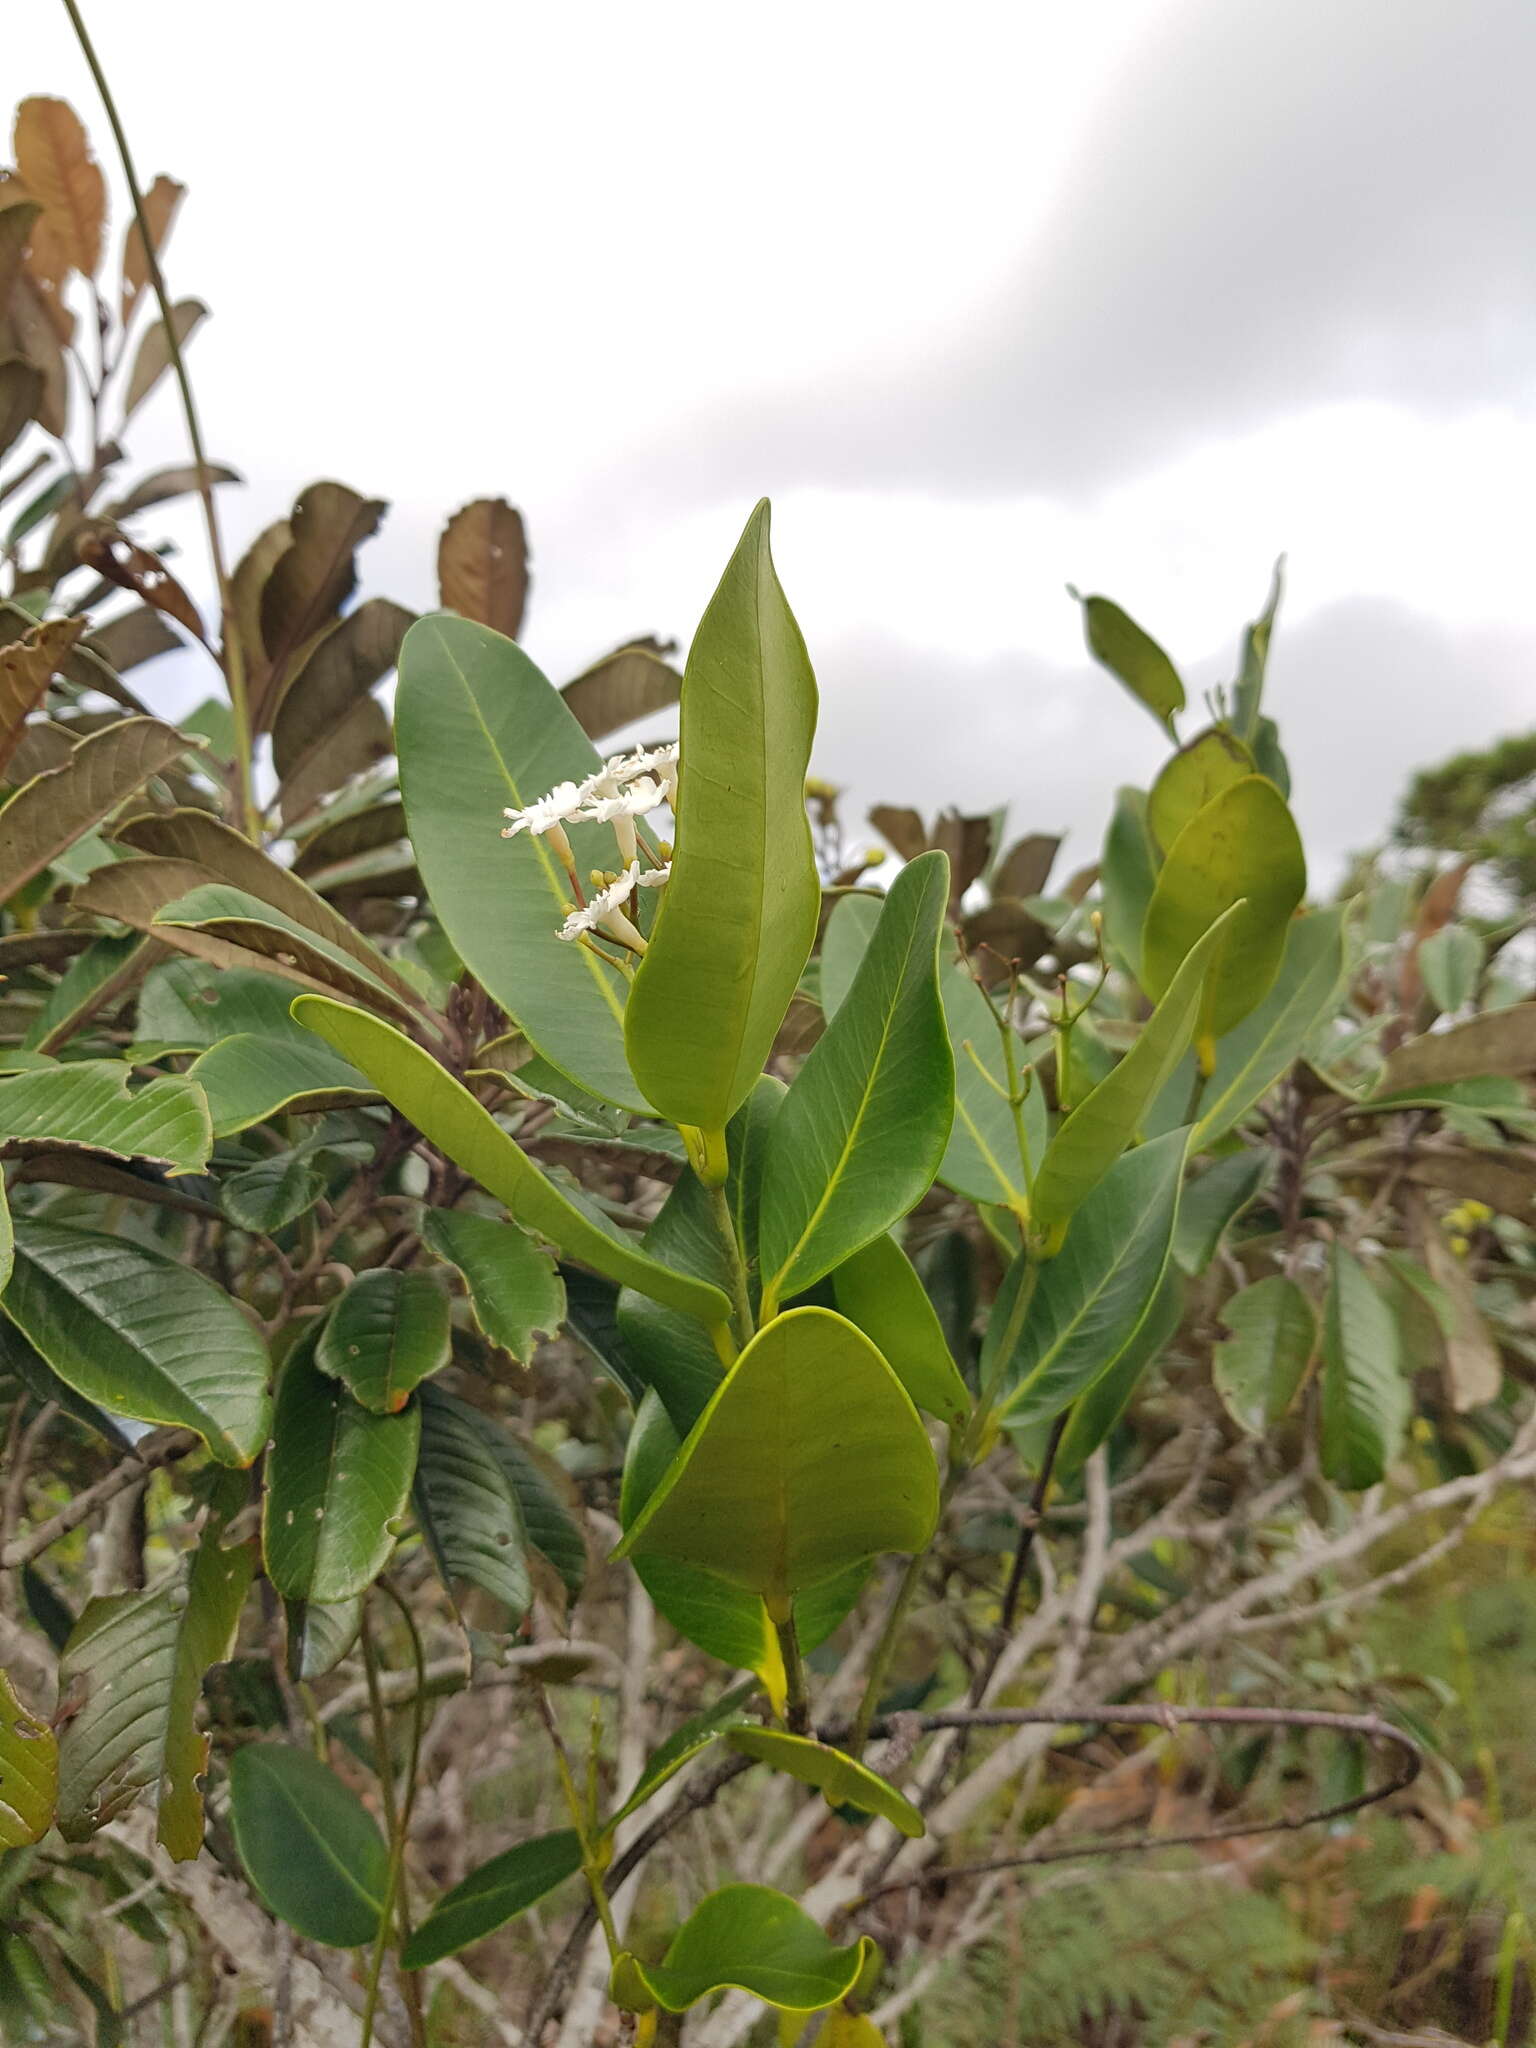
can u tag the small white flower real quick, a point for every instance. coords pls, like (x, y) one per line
(605, 912)
(549, 812)
(655, 878)
(633, 801)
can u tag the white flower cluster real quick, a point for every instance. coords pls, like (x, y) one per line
(625, 788)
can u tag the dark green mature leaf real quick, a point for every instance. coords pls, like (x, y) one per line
(48, 814)
(310, 1847)
(1210, 1205)
(448, 1116)
(482, 565)
(323, 733)
(478, 729)
(858, 1139)
(29, 1772)
(388, 1333)
(1119, 644)
(41, 1381)
(141, 1335)
(739, 916)
(272, 1194)
(760, 1493)
(750, 1938)
(515, 1291)
(547, 1501)
(844, 944)
(338, 1480)
(132, 1673)
(879, 1291)
(466, 1503)
(1259, 1366)
(1243, 849)
(840, 1778)
(635, 681)
(1366, 1398)
(249, 1078)
(492, 1895)
(98, 979)
(1048, 1342)
(88, 1104)
(983, 1158)
(1095, 1413)
(320, 1634)
(695, 1735)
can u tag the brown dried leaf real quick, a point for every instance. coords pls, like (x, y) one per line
(1497, 1042)
(49, 268)
(482, 565)
(135, 637)
(635, 681)
(382, 825)
(902, 827)
(335, 680)
(19, 212)
(47, 815)
(1004, 934)
(161, 485)
(154, 356)
(1505, 1180)
(1473, 1370)
(314, 576)
(247, 583)
(160, 204)
(54, 162)
(27, 666)
(108, 550)
(30, 329)
(1025, 868)
(968, 842)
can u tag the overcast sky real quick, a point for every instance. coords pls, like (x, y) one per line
(988, 298)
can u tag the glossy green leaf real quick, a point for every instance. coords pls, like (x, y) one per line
(270, 1195)
(844, 944)
(386, 1334)
(248, 1079)
(492, 1895)
(514, 1289)
(1210, 763)
(1127, 878)
(720, 1618)
(1095, 1413)
(450, 1118)
(480, 730)
(467, 1506)
(133, 1672)
(760, 1493)
(983, 1158)
(698, 1733)
(321, 1633)
(879, 1291)
(29, 1772)
(1451, 962)
(141, 1335)
(1242, 848)
(1258, 1367)
(840, 1778)
(858, 1139)
(1211, 1204)
(739, 916)
(1046, 1346)
(747, 1938)
(674, 1353)
(1366, 1397)
(338, 1481)
(89, 1104)
(1089, 1141)
(1119, 644)
(310, 1848)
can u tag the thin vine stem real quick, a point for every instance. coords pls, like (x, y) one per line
(233, 652)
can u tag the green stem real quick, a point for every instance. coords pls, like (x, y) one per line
(1012, 1331)
(1196, 1094)
(576, 1807)
(885, 1650)
(233, 652)
(741, 1300)
(409, 1985)
(797, 1701)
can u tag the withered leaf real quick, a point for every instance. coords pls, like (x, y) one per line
(1474, 1372)
(482, 565)
(902, 827)
(161, 485)
(54, 162)
(108, 550)
(160, 204)
(137, 636)
(323, 733)
(26, 668)
(1025, 868)
(1505, 1180)
(968, 842)
(154, 356)
(635, 681)
(315, 574)
(18, 213)
(48, 814)
(31, 331)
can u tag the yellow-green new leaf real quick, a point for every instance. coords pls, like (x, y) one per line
(747, 1938)
(1120, 645)
(840, 1778)
(450, 1118)
(739, 915)
(1242, 848)
(809, 1458)
(29, 1772)
(878, 1289)
(1198, 772)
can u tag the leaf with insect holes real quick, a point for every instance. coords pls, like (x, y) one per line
(514, 1289)
(388, 1333)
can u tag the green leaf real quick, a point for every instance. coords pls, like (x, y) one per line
(320, 1634)
(386, 1334)
(1258, 1367)
(858, 1139)
(99, 979)
(88, 1104)
(982, 1159)
(720, 1618)
(695, 1735)
(1095, 1413)
(492, 1895)
(739, 916)
(747, 1938)
(1242, 848)
(467, 1505)
(1089, 1141)
(187, 1005)
(1248, 691)
(450, 1118)
(132, 1672)
(338, 1480)
(48, 814)
(1210, 1205)
(844, 944)
(1127, 878)
(1366, 1398)
(543, 1493)
(841, 1779)
(1197, 773)
(29, 1772)
(1048, 1346)
(760, 1493)
(270, 1195)
(1265, 1045)
(1498, 1042)
(479, 730)
(878, 1290)
(514, 1289)
(248, 1079)
(310, 1847)
(1117, 643)
(244, 920)
(141, 1335)
(1451, 962)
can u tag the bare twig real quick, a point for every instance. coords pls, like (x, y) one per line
(133, 1471)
